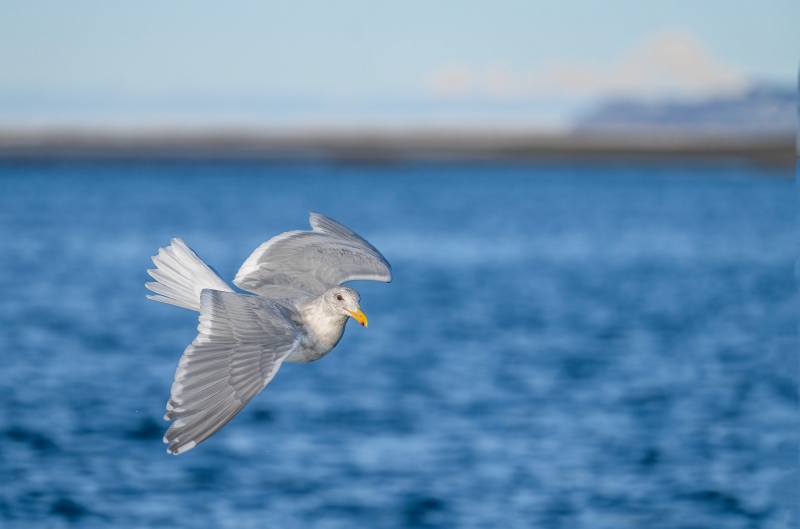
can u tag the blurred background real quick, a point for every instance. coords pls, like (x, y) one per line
(590, 212)
(360, 80)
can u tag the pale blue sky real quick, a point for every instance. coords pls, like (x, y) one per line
(223, 58)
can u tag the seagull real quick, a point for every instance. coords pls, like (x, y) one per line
(298, 314)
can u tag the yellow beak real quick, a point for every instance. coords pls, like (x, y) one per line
(360, 317)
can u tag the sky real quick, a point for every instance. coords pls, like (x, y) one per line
(351, 62)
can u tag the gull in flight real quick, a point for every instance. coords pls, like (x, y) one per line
(297, 315)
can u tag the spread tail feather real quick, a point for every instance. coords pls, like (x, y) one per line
(181, 276)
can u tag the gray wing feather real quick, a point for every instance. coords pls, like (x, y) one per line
(312, 261)
(241, 343)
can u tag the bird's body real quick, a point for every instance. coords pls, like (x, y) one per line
(320, 326)
(298, 314)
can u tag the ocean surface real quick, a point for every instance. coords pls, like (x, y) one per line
(563, 346)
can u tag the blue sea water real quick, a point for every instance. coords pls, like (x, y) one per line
(576, 346)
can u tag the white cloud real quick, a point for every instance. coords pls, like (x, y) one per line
(451, 80)
(669, 64)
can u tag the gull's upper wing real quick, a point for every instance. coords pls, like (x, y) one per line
(242, 342)
(312, 261)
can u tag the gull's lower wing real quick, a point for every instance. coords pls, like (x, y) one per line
(312, 261)
(242, 342)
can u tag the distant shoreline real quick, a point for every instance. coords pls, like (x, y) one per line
(395, 145)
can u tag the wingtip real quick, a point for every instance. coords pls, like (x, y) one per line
(181, 449)
(314, 218)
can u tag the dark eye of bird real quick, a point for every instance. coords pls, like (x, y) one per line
(339, 297)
